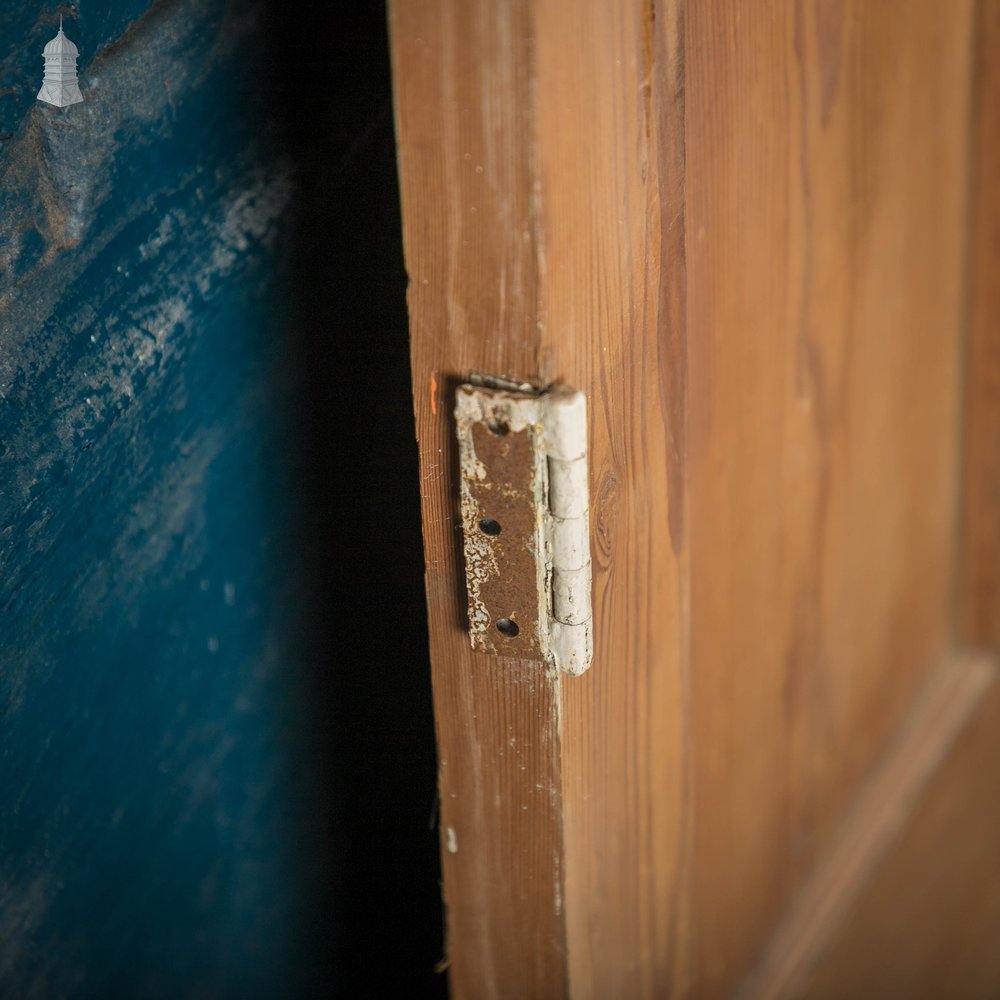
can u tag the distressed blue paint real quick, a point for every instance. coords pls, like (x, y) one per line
(28, 26)
(148, 796)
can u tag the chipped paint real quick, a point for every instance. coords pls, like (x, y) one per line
(139, 264)
(480, 560)
(502, 480)
(523, 466)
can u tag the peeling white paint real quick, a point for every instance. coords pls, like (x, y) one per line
(557, 421)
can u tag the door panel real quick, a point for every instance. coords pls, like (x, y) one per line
(740, 229)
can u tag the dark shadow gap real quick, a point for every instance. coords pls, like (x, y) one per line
(369, 859)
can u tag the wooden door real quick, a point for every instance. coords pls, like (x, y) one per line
(758, 236)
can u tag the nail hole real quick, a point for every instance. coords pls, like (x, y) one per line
(489, 527)
(498, 426)
(507, 627)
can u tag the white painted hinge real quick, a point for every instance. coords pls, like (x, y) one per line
(525, 520)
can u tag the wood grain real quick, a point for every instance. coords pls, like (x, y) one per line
(928, 922)
(826, 161)
(739, 228)
(463, 98)
(979, 582)
(759, 286)
(610, 156)
(873, 824)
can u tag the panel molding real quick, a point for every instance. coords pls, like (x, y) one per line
(874, 822)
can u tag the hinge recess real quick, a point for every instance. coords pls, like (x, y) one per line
(525, 520)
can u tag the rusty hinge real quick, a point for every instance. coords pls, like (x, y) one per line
(525, 519)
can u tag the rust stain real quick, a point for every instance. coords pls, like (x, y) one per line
(434, 386)
(500, 489)
(504, 564)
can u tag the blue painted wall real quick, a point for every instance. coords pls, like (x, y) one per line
(216, 749)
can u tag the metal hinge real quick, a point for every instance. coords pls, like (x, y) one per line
(525, 519)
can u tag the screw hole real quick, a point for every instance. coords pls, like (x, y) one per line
(507, 627)
(489, 527)
(498, 426)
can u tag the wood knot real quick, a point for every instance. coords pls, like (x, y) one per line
(605, 515)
